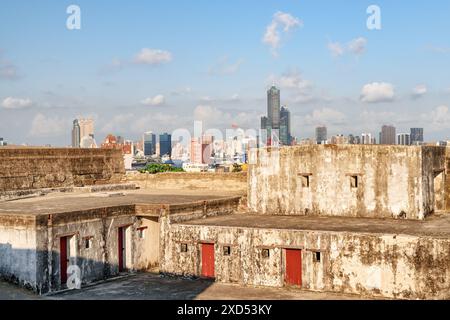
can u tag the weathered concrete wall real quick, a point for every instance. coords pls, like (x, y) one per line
(394, 266)
(147, 248)
(392, 181)
(221, 182)
(35, 168)
(30, 245)
(17, 250)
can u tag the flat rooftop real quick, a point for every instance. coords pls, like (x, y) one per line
(69, 202)
(437, 226)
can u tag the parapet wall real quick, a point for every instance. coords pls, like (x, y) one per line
(218, 182)
(36, 168)
(349, 180)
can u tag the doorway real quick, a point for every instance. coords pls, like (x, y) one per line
(293, 272)
(208, 260)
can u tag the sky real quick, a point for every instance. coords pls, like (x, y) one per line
(137, 66)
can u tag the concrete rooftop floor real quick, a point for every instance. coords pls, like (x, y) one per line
(72, 201)
(436, 226)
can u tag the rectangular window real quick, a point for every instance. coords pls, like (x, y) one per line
(265, 253)
(141, 232)
(305, 181)
(87, 242)
(316, 256)
(226, 250)
(354, 182)
(184, 247)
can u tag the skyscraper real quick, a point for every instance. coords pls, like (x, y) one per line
(417, 136)
(165, 144)
(264, 122)
(403, 139)
(321, 135)
(76, 135)
(285, 126)
(387, 135)
(273, 108)
(149, 143)
(366, 138)
(86, 128)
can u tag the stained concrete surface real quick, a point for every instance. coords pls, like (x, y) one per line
(9, 291)
(67, 202)
(436, 225)
(150, 286)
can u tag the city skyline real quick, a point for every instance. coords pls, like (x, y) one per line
(152, 75)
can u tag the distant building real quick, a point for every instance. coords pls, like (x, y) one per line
(366, 138)
(417, 136)
(387, 135)
(2, 142)
(339, 139)
(273, 107)
(83, 133)
(321, 135)
(404, 139)
(149, 143)
(285, 126)
(165, 144)
(264, 123)
(76, 134)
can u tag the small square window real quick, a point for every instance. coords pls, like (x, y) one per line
(354, 182)
(265, 253)
(184, 247)
(87, 242)
(226, 250)
(317, 256)
(305, 181)
(141, 232)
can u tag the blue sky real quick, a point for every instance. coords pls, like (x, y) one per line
(216, 67)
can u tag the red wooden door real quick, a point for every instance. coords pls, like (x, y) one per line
(293, 267)
(63, 259)
(208, 260)
(121, 249)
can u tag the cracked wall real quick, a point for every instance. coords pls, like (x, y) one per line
(346, 180)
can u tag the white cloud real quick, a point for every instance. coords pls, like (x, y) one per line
(155, 101)
(419, 91)
(336, 49)
(325, 116)
(43, 126)
(294, 83)
(438, 119)
(8, 70)
(16, 103)
(281, 23)
(152, 56)
(225, 67)
(357, 46)
(377, 92)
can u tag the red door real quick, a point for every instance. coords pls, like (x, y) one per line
(121, 249)
(63, 259)
(293, 267)
(208, 260)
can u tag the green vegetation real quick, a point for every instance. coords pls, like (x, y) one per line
(237, 168)
(154, 168)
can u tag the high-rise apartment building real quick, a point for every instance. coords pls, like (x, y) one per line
(165, 144)
(366, 138)
(83, 133)
(387, 135)
(321, 135)
(149, 143)
(416, 136)
(285, 126)
(404, 139)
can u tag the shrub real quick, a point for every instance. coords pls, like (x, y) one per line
(154, 168)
